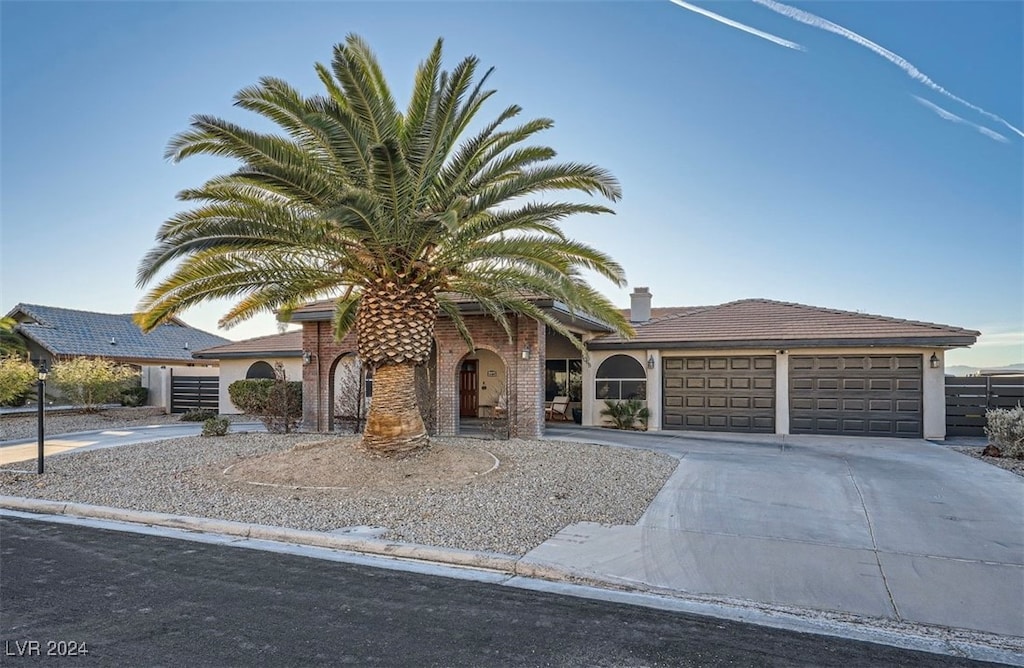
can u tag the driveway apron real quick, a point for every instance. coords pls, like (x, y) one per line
(894, 528)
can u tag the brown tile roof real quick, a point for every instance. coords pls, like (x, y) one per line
(764, 322)
(659, 312)
(288, 344)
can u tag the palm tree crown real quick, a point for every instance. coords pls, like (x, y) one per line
(390, 213)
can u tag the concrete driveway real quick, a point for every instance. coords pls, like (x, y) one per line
(894, 528)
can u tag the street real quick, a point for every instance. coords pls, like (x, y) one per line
(140, 600)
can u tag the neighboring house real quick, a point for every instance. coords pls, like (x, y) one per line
(753, 365)
(254, 358)
(55, 333)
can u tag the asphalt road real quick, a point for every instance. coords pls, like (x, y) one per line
(138, 600)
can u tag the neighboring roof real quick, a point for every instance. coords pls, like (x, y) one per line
(766, 323)
(288, 344)
(66, 332)
(323, 310)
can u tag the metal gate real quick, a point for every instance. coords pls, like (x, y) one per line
(195, 392)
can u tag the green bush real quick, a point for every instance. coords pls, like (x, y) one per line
(1005, 429)
(277, 403)
(216, 426)
(627, 414)
(198, 415)
(16, 378)
(134, 396)
(89, 382)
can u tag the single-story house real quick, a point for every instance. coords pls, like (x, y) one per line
(254, 358)
(751, 366)
(53, 333)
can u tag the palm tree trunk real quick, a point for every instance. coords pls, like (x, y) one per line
(394, 426)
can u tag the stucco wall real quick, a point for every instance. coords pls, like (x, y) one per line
(236, 369)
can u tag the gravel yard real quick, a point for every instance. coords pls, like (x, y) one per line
(539, 488)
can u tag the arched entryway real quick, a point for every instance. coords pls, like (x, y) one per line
(483, 390)
(349, 394)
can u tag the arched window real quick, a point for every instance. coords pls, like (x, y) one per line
(621, 377)
(260, 370)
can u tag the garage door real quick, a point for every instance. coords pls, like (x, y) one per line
(719, 394)
(856, 395)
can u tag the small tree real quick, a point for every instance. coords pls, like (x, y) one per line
(89, 382)
(277, 403)
(16, 376)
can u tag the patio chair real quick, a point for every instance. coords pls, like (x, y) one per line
(559, 406)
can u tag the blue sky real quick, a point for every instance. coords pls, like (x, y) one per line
(825, 174)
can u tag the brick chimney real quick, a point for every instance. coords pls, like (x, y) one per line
(640, 305)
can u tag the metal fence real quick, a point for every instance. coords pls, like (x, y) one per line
(968, 397)
(195, 392)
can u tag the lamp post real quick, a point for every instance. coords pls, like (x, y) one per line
(40, 400)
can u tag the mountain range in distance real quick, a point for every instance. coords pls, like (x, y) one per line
(964, 370)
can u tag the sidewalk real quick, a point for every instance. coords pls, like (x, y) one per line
(887, 534)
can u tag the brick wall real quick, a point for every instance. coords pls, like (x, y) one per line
(525, 376)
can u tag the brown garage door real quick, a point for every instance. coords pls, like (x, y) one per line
(719, 394)
(856, 395)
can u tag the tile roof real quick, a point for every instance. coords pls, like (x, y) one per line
(764, 322)
(288, 344)
(67, 332)
(659, 312)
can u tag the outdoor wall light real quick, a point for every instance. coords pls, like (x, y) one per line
(307, 357)
(526, 351)
(650, 362)
(113, 341)
(933, 361)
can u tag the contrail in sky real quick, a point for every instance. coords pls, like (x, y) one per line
(739, 26)
(913, 72)
(950, 116)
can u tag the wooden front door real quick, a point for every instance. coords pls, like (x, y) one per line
(467, 389)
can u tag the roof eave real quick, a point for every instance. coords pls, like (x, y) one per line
(917, 342)
(245, 355)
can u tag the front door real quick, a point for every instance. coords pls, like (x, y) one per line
(467, 389)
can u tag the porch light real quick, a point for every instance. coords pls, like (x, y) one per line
(526, 351)
(307, 357)
(650, 362)
(933, 361)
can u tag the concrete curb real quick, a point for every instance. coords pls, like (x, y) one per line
(449, 556)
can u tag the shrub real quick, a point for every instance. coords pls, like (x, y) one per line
(627, 414)
(277, 403)
(89, 382)
(1005, 429)
(198, 415)
(134, 396)
(16, 378)
(216, 426)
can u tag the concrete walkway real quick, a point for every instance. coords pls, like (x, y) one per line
(888, 529)
(27, 449)
(894, 528)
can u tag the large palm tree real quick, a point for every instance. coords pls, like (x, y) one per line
(390, 213)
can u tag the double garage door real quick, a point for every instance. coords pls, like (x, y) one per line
(852, 395)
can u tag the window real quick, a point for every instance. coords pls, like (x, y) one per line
(621, 377)
(260, 370)
(563, 378)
